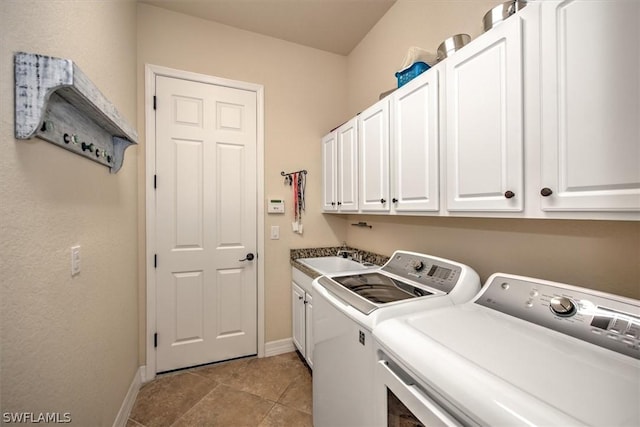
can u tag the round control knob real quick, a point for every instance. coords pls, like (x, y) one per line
(562, 306)
(417, 265)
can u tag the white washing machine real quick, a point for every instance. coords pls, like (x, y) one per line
(524, 352)
(346, 308)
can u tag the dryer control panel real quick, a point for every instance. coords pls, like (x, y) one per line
(606, 320)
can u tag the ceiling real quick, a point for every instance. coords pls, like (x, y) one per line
(332, 25)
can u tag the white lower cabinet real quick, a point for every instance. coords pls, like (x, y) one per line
(298, 317)
(302, 315)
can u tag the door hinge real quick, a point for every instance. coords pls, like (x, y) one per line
(155, 340)
(154, 102)
(155, 181)
(155, 260)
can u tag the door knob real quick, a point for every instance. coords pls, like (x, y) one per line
(249, 257)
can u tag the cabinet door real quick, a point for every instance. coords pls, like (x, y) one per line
(591, 105)
(373, 145)
(298, 317)
(309, 330)
(347, 135)
(414, 145)
(329, 172)
(484, 122)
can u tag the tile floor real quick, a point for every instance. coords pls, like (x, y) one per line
(272, 391)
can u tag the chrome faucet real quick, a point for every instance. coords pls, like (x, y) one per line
(344, 252)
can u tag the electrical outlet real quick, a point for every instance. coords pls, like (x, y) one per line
(275, 232)
(75, 260)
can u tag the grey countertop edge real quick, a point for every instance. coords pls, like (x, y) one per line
(330, 251)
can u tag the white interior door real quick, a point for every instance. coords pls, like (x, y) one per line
(206, 297)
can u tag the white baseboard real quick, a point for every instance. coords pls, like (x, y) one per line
(129, 399)
(273, 348)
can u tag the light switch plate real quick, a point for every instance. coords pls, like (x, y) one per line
(275, 232)
(75, 260)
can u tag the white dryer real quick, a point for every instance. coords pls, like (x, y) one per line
(525, 352)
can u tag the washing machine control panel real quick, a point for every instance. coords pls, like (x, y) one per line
(606, 320)
(425, 270)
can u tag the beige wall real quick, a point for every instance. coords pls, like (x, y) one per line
(68, 344)
(305, 96)
(603, 255)
(423, 23)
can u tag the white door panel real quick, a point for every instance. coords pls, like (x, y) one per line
(329, 172)
(347, 135)
(373, 135)
(206, 222)
(591, 132)
(484, 122)
(415, 145)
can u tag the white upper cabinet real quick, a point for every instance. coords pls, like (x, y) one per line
(373, 134)
(414, 145)
(590, 154)
(484, 115)
(340, 169)
(538, 117)
(347, 135)
(330, 172)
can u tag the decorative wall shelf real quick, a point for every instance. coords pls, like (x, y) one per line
(56, 102)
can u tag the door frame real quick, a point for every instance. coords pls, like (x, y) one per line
(151, 72)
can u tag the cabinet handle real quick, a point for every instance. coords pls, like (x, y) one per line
(509, 194)
(333, 203)
(299, 297)
(339, 203)
(546, 192)
(394, 200)
(383, 201)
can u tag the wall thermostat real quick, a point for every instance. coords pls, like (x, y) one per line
(275, 206)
